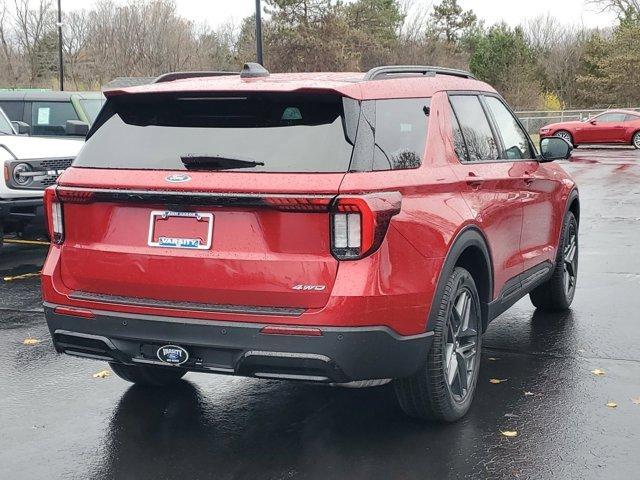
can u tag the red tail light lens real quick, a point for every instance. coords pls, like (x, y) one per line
(54, 215)
(359, 224)
(68, 195)
(54, 198)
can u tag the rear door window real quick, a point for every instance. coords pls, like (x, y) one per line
(50, 118)
(476, 130)
(514, 139)
(247, 132)
(400, 133)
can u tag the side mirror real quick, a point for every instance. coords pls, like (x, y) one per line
(76, 128)
(593, 122)
(21, 128)
(554, 148)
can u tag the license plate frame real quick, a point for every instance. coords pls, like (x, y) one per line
(177, 242)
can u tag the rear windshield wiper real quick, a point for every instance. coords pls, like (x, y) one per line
(213, 162)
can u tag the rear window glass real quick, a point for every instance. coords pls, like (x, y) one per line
(256, 132)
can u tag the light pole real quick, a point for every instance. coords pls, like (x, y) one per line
(60, 59)
(258, 32)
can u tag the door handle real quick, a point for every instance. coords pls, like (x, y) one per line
(474, 180)
(475, 183)
(528, 181)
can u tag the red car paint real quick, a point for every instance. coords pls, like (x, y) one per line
(259, 255)
(610, 127)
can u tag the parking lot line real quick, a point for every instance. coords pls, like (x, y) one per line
(22, 277)
(26, 242)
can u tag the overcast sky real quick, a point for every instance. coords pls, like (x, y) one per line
(216, 12)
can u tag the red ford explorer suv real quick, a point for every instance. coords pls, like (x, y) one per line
(340, 228)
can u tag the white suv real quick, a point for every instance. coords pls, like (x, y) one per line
(29, 166)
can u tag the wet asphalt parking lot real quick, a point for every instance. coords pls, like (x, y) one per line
(58, 422)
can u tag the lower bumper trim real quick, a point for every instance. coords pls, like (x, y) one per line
(340, 355)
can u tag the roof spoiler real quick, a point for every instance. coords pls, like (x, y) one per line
(390, 71)
(250, 70)
(170, 77)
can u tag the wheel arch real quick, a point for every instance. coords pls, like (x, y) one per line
(573, 205)
(469, 250)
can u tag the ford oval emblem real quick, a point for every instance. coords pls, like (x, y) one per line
(178, 178)
(173, 354)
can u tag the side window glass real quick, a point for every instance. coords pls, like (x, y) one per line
(50, 118)
(481, 145)
(400, 133)
(458, 139)
(632, 118)
(13, 110)
(515, 139)
(610, 118)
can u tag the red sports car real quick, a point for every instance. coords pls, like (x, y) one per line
(612, 127)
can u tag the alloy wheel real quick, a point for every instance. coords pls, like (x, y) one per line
(570, 262)
(461, 344)
(636, 140)
(565, 136)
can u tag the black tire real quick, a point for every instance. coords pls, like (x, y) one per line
(565, 135)
(429, 394)
(557, 293)
(635, 140)
(148, 374)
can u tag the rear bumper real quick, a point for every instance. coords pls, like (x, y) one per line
(20, 209)
(339, 355)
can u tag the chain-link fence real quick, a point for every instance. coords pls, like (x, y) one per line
(534, 120)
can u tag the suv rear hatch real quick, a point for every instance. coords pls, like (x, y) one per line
(207, 200)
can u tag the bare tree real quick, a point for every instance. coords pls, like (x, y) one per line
(624, 9)
(7, 50)
(557, 48)
(33, 26)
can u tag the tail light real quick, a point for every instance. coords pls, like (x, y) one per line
(54, 215)
(359, 224)
(54, 198)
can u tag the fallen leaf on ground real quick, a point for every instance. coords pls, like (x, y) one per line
(612, 404)
(598, 373)
(496, 381)
(529, 394)
(509, 433)
(492, 359)
(30, 341)
(102, 374)
(636, 400)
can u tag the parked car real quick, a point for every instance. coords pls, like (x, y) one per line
(338, 228)
(610, 127)
(29, 166)
(51, 113)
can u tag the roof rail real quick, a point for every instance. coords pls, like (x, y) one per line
(170, 77)
(388, 71)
